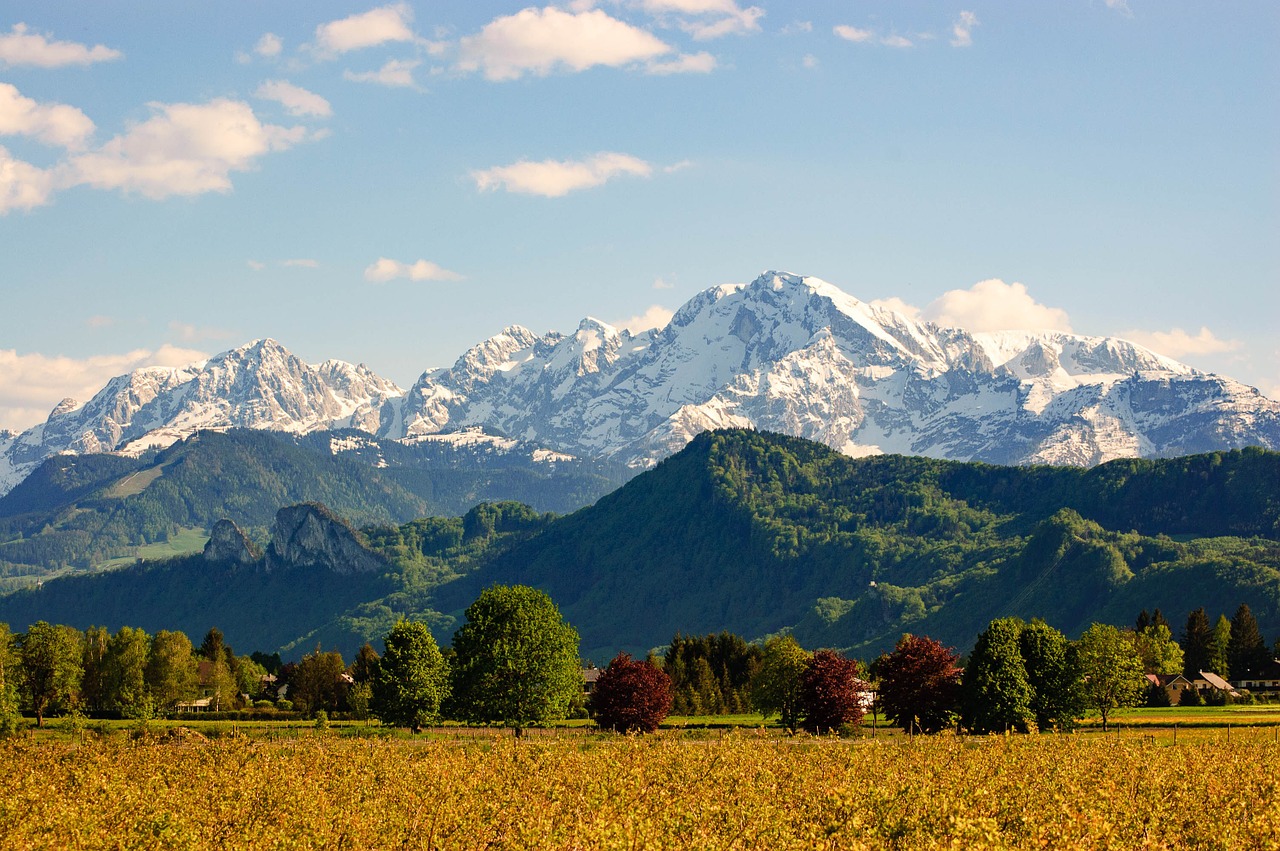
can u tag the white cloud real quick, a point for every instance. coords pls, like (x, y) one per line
(256, 265)
(32, 384)
(189, 333)
(1121, 6)
(269, 46)
(809, 61)
(661, 283)
(685, 63)
(993, 305)
(656, 316)
(962, 29)
(898, 306)
(796, 27)
(21, 47)
(100, 321)
(295, 99)
(1178, 343)
(853, 34)
(554, 178)
(384, 270)
(896, 41)
(183, 149)
(707, 19)
(368, 29)
(23, 186)
(51, 123)
(300, 263)
(396, 72)
(539, 41)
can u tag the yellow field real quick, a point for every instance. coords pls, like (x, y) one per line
(673, 791)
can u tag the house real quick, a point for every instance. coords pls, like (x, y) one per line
(590, 675)
(1264, 681)
(1216, 683)
(201, 705)
(1173, 684)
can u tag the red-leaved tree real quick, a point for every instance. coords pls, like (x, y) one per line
(831, 692)
(631, 696)
(919, 684)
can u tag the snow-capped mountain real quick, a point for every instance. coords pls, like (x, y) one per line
(259, 385)
(797, 355)
(785, 353)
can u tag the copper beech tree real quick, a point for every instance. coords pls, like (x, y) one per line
(831, 692)
(631, 696)
(919, 684)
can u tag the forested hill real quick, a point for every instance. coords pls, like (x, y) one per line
(755, 533)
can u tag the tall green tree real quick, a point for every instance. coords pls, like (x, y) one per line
(1246, 653)
(411, 681)
(517, 659)
(775, 688)
(1113, 676)
(919, 684)
(52, 661)
(1220, 648)
(1160, 654)
(93, 682)
(9, 675)
(1197, 637)
(128, 652)
(996, 695)
(317, 682)
(1053, 672)
(172, 672)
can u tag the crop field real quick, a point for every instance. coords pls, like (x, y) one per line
(675, 790)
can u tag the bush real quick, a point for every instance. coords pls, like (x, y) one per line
(1191, 697)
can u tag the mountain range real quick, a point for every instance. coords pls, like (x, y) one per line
(785, 353)
(747, 531)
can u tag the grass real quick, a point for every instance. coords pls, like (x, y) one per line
(134, 484)
(185, 541)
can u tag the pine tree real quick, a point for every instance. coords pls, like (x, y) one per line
(1246, 652)
(1196, 638)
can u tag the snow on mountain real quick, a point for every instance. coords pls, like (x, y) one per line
(259, 385)
(797, 355)
(785, 353)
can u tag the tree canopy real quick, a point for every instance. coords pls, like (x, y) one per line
(410, 682)
(631, 696)
(919, 686)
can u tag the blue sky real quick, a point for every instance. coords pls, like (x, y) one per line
(391, 184)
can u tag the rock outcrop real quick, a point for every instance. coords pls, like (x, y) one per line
(228, 543)
(309, 535)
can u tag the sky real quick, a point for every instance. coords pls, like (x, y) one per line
(391, 184)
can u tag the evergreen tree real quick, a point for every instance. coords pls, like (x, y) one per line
(517, 660)
(1220, 648)
(1196, 639)
(1144, 621)
(1158, 619)
(1053, 672)
(995, 695)
(1247, 652)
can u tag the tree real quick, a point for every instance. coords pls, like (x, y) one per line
(411, 681)
(248, 673)
(126, 667)
(1160, 654)
(93, 681)
(776, 685)
(1246, 653)
(172, 673)
(995, 694)
(9, 675)
(1053, 672)
(831, 692)
(52, 664)
(1196, 638)
(365, 664)
(517, 660)
(317, 682)
(919, 684)
(711, 674)
(631, 696)
(1219, 648)
(215, 673)
(1112, 669)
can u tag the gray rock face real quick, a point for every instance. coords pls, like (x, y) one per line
(308, 535)
(227, 543)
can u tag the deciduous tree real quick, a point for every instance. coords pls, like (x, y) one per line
(1220, 648)
(517, 660)
(631, 696)
(775, 688)
(1113, 676)
(411, 681)
(52, 664)
(1160, 654)
(172, 673)
(919, 684)
(126, 664)
(996, 696)
(831, 692)
(317, 682)
(1053, 672)
(9, 675)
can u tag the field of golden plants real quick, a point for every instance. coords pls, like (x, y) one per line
(738, 790)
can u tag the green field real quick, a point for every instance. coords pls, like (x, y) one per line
(185, 542)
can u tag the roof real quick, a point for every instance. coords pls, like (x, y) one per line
(1217, 682)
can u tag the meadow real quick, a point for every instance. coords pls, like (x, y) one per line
(679, 789)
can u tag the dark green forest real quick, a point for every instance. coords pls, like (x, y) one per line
(757, 533)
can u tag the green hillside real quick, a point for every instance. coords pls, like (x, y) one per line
(758, 533)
